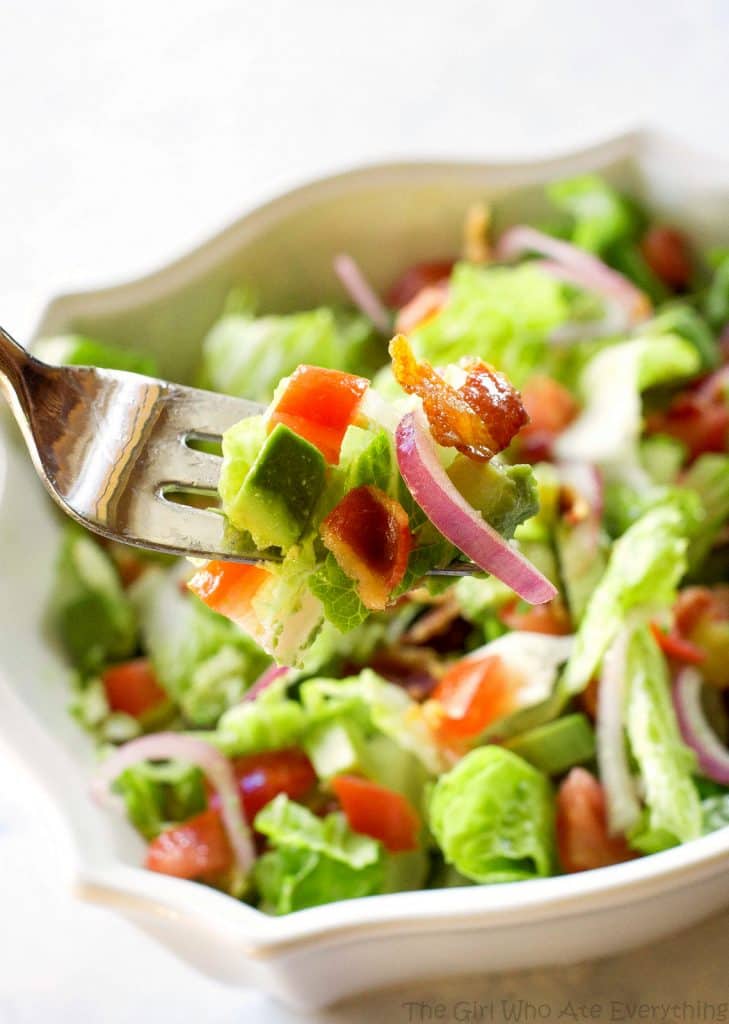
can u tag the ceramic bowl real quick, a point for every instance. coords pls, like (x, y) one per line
(388, 217)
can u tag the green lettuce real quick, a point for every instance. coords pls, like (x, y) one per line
(644, 568)
(716, 300)
(89, 610)
(493, 817)
(203, 660)
(599, 216)
(666, 764)
(78, 350)
(607, 431)
(247, 356)
(500, 314)
(709, 478)
(270, 722)
(313, 860)
(156, 795)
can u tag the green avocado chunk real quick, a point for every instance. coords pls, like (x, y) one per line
(280, 490)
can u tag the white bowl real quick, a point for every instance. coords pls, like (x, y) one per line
(388, 216)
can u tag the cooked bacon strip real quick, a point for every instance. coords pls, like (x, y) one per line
(479, 419)
(369, 535)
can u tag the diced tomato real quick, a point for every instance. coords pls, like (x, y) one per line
(583, 840)
(675, 646)
(319, 405)
(699, 421)
(376, 811)
(132, 687)
(474, 693)
(550, 408)
(415, 279)
(666, 251)
(195, 848)
(369, 535)
(229, 588)
(426, 304)
(549, 618)
(261, 777)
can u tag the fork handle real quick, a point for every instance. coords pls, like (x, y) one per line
(14, 361)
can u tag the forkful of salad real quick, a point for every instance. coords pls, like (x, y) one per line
(329, 481)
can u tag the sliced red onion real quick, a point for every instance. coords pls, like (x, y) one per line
(712, 755)
(361, 292)
(575, 265)
(622, 804)
(167, 746)
(449, 511)
(272, 673)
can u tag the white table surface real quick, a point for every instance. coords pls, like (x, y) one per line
(130, 131)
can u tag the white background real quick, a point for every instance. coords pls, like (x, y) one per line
(132, 130)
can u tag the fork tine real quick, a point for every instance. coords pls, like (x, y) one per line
(204, 413)
(188, 467)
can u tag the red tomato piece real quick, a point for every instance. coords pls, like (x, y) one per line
(195, 848)
(472, 694)
(426, 304)
(319, 405)
(551, 408)
(379, 812)
(666, 251)
(583, 840)
(261, 777)
(699, 422)
(417, 278)
(675, 646)
(132, 687)
(549, 618)
(369, 535)
(229, 588)
(696, 603)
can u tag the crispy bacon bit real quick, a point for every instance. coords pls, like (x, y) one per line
(666, 251)
(476, 244)
(435, 621)
(479, 419)
(426, 304)
(369, 535)
(416, 669)
(698, 417)
(416, 279)
(551, 617)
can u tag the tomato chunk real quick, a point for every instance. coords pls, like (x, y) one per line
(666, 251)
(417, 278)
(551, 408)
(583, 840)
(379, 812)
(319, 405)
(195, 848)
(425, 305)
(229, 588)
(474, 693)
(369, 535)
(132, 687)
(261, 777)
(700, 421)
(675, 646)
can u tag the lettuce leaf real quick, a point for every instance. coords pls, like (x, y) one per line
(78, 350)
(90, 612)
(709, 478)
(666, 764)
(271, 722)
(493, 817)
(608, 429)
(156, 795)
(247, 356)
(203, 660)
(500, 314)
(599, 215)
(314, 860)
(644, 568)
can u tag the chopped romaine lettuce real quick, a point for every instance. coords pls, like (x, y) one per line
(709, 477)
(247, 356)
(599, 215)
(93, 617)
(77, 350)
(644, 568)
(493, 817)
(270, 722)
(666, 764)
(157, 794)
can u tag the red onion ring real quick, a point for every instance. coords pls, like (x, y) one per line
(573, 264)
(622, 805)
(712, 755)
(271, 674)
(361, 292)
(450, 513)
(165, 746)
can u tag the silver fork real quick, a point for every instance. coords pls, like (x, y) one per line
(112, 448)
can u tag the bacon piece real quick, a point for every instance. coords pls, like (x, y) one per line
(479, 419)
(369, 535)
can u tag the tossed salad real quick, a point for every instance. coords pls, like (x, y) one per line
(346, 718)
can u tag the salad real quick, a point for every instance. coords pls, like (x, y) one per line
(348, 717)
